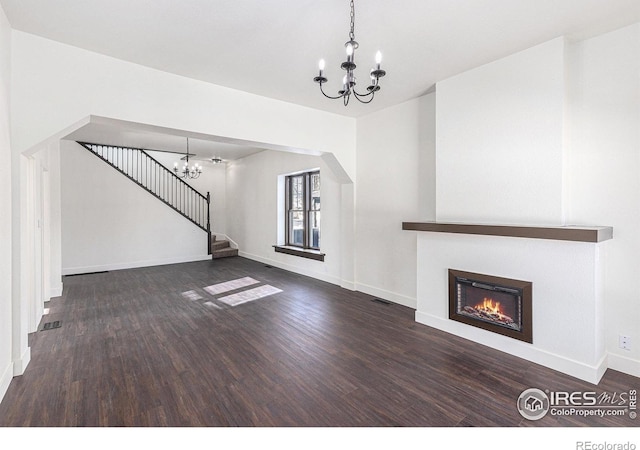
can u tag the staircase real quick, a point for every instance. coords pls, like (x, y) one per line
(144, 170)
(222, 249)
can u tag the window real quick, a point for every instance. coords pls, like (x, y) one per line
(302, 205)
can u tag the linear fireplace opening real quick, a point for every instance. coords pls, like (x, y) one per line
(500, 305)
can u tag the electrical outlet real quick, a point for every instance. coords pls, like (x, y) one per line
(624, 342)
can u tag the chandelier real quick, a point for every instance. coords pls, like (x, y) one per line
(185, 171)
(349, 79)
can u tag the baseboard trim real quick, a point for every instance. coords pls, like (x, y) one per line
(133, 265)
(349, 285)
(291, 268)
(403, 300)
(5, 380)
(589, 373)
(624, 364)
(56, 291)
(20, 365)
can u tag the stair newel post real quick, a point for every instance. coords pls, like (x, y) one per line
(209, 222)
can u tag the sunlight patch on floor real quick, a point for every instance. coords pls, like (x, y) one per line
(192, 295)
(232, 285)
(249, 295)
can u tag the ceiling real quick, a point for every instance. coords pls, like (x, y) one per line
(271, 48)
(129, 134)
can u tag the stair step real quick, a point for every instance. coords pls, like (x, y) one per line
(219, 244)
(224, 253)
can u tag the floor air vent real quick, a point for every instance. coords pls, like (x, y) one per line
(51, 325)
(86, 273)
(379, 300)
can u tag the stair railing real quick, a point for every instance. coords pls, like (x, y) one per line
(144, 170)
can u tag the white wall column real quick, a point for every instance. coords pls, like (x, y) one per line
(22, 262)
(55, 218)
(7, 179)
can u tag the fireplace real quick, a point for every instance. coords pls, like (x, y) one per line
(496, 304)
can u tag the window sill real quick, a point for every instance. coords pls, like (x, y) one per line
(301, 252)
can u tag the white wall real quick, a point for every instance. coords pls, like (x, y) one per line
(35, 227)
(568, 324)
(6, 365)
(604, 182)
(395, 173)
(567, 117)
(78, 83)
(212, 180)
(501, 158)
(55, 221)
(109, 223)
(39, 266)
(252, 211)
(56, 85)
(500, 141)
(22, 256)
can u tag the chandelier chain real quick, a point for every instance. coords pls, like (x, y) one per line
(352, 34)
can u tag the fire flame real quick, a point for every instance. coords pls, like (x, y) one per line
(489, 306)
(488, 309)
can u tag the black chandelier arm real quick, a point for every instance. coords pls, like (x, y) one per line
(363, 95)
(328, 96)
(370, 94)
(365, 101)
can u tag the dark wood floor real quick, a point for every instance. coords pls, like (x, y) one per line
(133, 351)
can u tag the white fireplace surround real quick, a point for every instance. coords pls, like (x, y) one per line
(567, 277)
(526, 140)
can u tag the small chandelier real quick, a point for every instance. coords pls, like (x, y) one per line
(349, 80)
(185, 171)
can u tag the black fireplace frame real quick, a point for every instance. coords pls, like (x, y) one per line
(526, 287)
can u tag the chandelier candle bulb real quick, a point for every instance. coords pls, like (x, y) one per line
(349, 51)
(378, 60)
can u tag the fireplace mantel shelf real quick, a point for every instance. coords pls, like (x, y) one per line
(560, 233)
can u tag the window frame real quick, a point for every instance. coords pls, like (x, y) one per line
(307, 210)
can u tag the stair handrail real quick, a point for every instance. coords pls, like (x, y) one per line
(85, 144)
